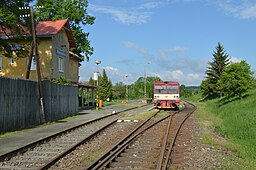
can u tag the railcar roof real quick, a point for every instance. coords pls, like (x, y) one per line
(167, 82)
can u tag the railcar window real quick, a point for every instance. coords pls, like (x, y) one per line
(166, 90)
(172, 89)
(160, 89)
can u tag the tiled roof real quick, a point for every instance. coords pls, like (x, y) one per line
(44, 29)
(4, 31)
(50, 27)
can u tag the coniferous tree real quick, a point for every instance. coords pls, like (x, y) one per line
(105, 86)
(92, 82)
(220, 61)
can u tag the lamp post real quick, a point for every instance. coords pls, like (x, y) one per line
(126, 90)
(145, 80)
(97, 62)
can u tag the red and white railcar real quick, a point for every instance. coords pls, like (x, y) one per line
(166, 95)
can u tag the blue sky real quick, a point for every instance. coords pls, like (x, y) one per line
(172, 39)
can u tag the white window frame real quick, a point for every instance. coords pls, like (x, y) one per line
(61, 64)
(1, 65)
(12, 60)
(33, 63)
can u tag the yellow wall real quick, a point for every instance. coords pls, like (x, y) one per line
(15, 70)
(74, 67)
(44, 50)
(50, 50)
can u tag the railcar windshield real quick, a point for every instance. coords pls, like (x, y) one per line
(163, 89)
(172, 89)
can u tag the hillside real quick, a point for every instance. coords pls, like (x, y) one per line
(192, 88)
(235, 120)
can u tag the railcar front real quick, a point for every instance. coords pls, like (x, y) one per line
(166, 95)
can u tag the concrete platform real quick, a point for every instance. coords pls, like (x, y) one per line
(27, 136)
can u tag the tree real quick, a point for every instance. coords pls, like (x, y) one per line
(137, 89)
(150, 85)
(105, 86)
(76, 12)
(237, 79)
(10, 20)
(220, 61)
(119, 90)
(62, 80)
(184, 92)
(92, 82)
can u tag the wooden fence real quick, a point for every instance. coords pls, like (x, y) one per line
(19, 103)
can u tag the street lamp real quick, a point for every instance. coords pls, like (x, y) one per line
(145, 81)
(96, 77)
(126, 89)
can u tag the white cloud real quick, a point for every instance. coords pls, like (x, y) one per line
(149, 5)
(249, 12)
(123, 16)
(176, 58)
(111, 70)
(143, 51)
(116, 75)
(239, 9)
(235, 60)
(193, 77)
(178, 49)
(181, 77)
(129, 44)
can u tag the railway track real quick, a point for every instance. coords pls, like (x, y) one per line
(172, 132)
(148, 146)
(45, 152)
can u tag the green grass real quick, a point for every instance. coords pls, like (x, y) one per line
(111, 103)
(116, 102)
(235, 120)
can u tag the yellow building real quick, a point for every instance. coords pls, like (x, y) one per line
(55, 38)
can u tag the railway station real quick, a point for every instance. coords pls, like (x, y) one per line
(127, 85)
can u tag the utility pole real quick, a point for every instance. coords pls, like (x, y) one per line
(40, 89)
(34, 49)
(30, 60)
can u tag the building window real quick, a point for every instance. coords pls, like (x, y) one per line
(12, 60)
(60, 64)
(0, 63)
(33, 63)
